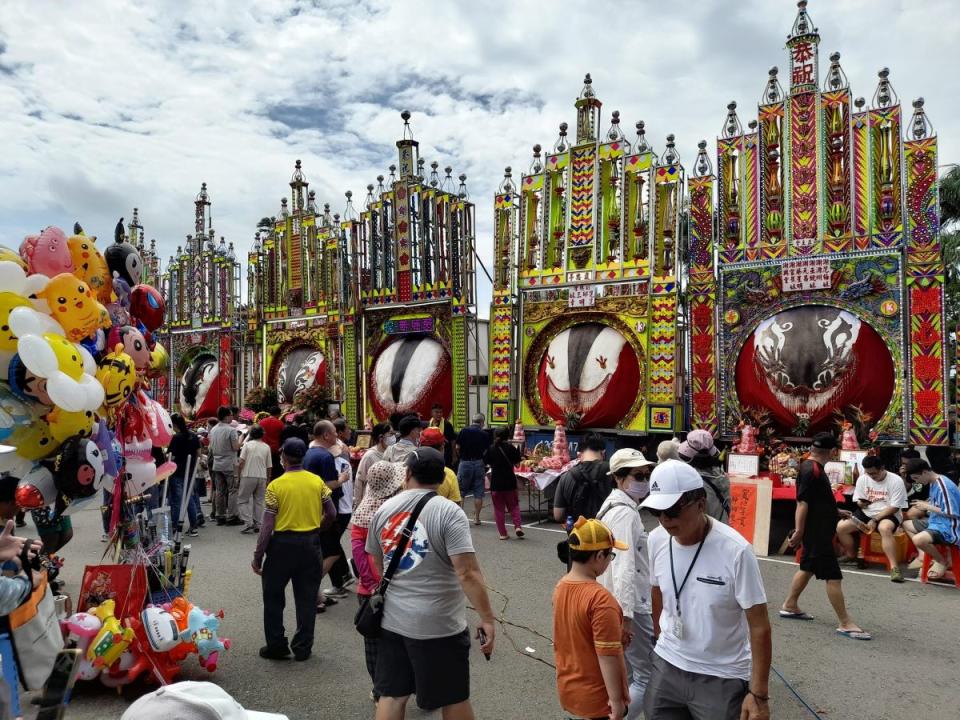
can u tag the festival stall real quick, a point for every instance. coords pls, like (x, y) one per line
(77, 417)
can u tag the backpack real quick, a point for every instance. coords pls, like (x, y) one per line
(584, 487)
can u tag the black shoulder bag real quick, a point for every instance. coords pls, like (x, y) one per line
(369, 617)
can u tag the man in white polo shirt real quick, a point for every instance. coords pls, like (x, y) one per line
(712, 657)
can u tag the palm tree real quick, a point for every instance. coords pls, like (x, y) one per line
(950, 197)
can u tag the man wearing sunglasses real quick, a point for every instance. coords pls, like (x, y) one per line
(712, 657)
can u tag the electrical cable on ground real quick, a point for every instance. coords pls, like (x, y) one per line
(503, 622)
(796, 694)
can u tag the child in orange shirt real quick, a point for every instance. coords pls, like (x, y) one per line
(588, 629)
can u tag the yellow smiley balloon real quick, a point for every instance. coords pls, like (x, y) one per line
(35, 441)
(9, 301)
(65, 424)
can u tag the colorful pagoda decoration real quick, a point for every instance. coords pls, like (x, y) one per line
(201, 285)
(374, 306)
(815, 269)
(293, 300)
(583, 326)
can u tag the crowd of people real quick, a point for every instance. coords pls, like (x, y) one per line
(668, 623)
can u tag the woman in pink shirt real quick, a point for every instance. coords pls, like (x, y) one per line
(384, 480)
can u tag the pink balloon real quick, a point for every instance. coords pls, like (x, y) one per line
(47, 253)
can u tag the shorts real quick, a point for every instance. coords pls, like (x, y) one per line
(860, 515)
(471, 475)
(824, 565)
(330, 542)
(923, 525)
(437, 670)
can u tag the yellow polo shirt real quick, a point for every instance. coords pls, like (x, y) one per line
(297, 499)
(450, 488)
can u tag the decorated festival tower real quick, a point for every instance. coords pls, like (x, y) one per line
(585, 297)
(294, 299)
(412, 248)
(376, 307)
(816, 273)
(202, 333)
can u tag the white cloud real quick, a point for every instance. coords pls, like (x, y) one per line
(107, 105)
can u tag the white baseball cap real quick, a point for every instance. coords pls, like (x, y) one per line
(190, 700)
(668, 481)
(627, 458)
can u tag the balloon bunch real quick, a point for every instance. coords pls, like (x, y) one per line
(75, 354)
(153, 643)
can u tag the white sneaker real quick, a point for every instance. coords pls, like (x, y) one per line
(335, 593)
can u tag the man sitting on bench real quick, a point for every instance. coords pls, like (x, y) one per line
(880, 496)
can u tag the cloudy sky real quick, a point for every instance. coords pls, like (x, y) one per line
(106, 105)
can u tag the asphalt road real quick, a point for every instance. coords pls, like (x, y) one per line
(905, 669)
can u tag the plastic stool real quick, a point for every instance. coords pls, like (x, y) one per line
(951, 551)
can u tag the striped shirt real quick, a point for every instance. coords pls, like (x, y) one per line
(946, 497)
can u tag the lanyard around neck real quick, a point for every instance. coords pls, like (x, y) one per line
(676, 590)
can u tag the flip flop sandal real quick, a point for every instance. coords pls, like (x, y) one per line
(787, 615)
(934, 576)
(855, 634)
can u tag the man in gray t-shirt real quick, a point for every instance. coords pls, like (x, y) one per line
(224, 445)
(425, 643)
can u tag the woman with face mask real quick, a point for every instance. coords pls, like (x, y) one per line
(381, 437)
(628, 576)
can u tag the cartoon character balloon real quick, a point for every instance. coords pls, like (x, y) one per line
(134, 344)
(111, 640)
(47, 253)
(78, 469)
(64, 424)
(147, 306)
(64, 365)
(159, 361)
(73, 305)
(117, 375)
(36, 489)
(90, 266)
(202, 630)
(123, 259)
(79, 630)
(160, 628)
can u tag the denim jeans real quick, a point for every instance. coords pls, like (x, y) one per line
(471, 475)
(175, 499)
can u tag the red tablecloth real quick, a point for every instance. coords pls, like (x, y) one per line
(789, 492)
